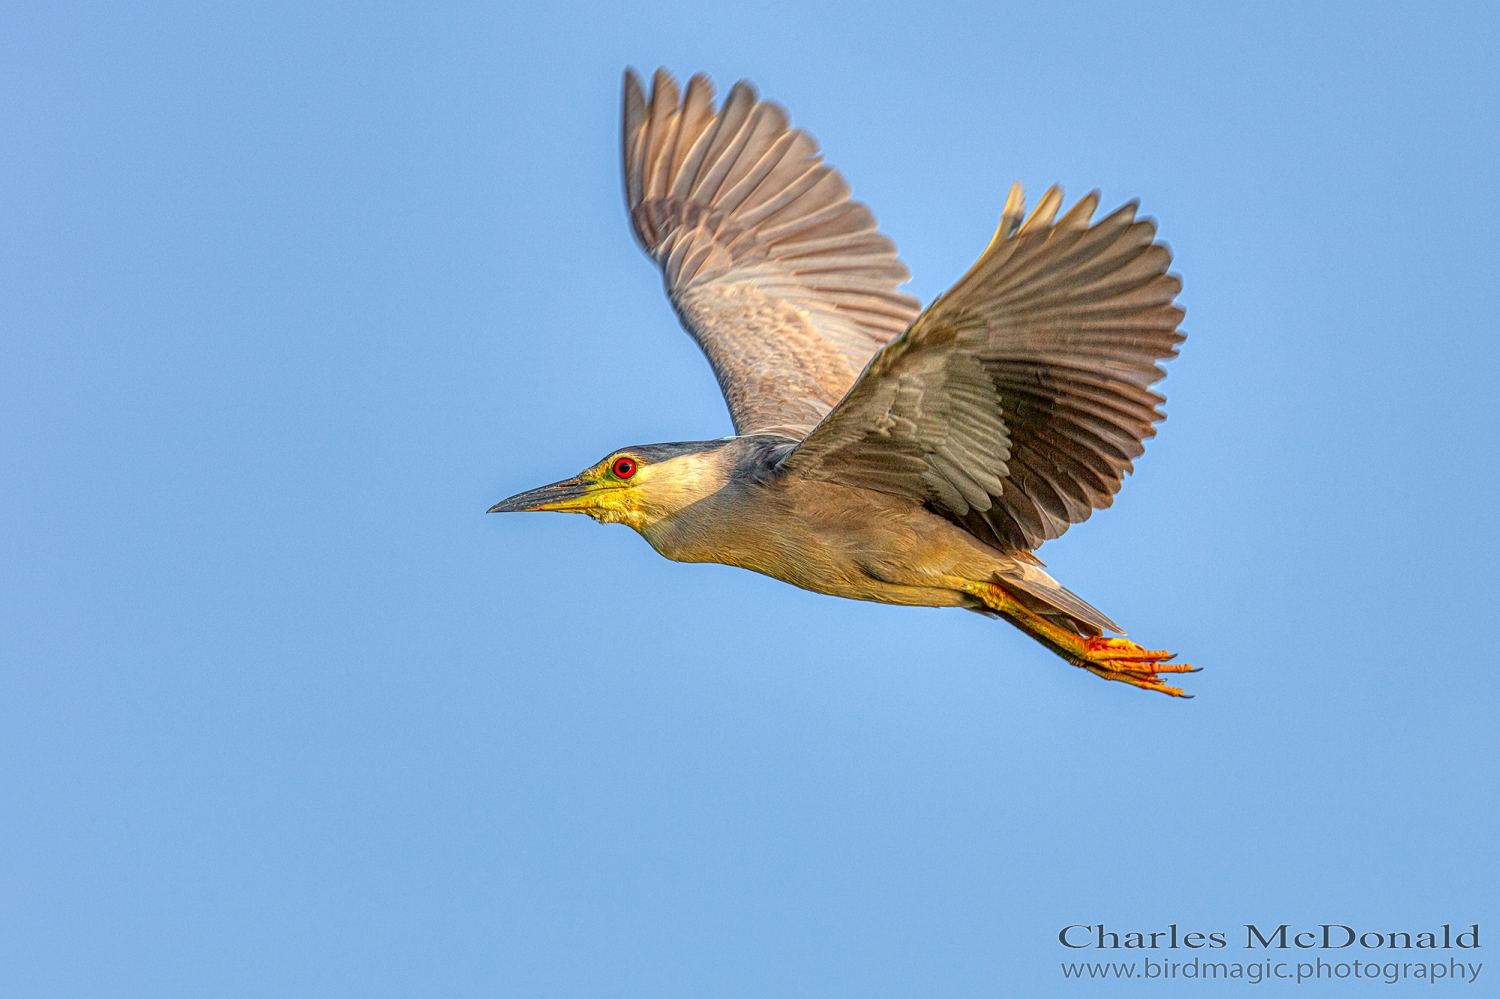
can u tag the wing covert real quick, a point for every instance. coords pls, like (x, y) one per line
(784, 282)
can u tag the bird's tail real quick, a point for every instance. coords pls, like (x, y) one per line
(1046, 596)
(1040, 606)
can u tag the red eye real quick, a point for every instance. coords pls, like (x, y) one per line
(623, 468)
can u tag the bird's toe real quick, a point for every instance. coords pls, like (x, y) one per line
(1122, 660)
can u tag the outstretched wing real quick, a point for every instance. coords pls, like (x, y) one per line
(783, 281)
(1017, 401)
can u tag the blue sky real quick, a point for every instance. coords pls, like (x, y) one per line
(290, 294)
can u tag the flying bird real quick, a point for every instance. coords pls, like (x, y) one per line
(883, 451)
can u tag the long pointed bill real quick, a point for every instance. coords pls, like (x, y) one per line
(567, 496)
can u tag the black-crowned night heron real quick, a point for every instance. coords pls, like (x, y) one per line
(884, 452)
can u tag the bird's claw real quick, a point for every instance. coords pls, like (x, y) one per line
(1109, 658)
(1122, 660)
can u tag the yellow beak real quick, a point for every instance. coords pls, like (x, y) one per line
(568, 496)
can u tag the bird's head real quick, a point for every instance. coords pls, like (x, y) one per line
(637, 486)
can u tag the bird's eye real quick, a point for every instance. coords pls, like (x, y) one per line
(623, 468)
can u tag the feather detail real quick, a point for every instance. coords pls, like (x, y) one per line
(784, 282)
(1026, 382)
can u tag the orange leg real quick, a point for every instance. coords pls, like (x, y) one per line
(1111, 658)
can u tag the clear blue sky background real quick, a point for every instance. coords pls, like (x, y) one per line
(290, 294)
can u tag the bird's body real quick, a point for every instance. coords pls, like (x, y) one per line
(880, 454)
(829, 538)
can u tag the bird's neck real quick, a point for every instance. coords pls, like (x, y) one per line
(684, 498)
(669, 487)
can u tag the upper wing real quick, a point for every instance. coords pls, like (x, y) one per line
(783, 281)
(1016, 402)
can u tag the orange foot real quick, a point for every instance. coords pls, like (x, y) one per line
(1110, 658)
(1123, 660)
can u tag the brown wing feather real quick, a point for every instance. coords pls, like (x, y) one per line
(784, 282)
(1017, 402)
